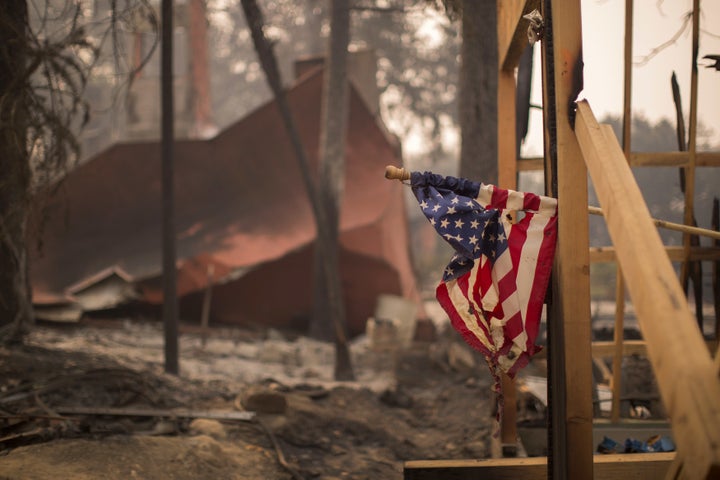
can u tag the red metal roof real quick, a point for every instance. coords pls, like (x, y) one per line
(241, 205)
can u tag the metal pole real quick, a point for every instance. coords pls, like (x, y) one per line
(170, 303)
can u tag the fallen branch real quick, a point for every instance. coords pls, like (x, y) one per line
(152, 412)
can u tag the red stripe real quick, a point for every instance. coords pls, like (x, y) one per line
(507, 286)
(513, 327)
(516, 240)
(531, 202)
(499, 198)
(443, 296)
(541, 280)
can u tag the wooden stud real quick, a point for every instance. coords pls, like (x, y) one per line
(692, 140)
(513, 29)
(684, 370)
(675, 253)
(571, 396)
(619, 332)
(507, 164)
(643, 159)
(618, 339)
(508, 17)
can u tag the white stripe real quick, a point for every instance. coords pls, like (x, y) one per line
(515, 200)
(528, 261)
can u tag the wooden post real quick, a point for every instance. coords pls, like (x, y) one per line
(508, 21)
(570, 385)
(618, 338)
(619, 333)
(170, 301)
(205, 315)
(692, 139)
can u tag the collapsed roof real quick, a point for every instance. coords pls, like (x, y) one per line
(241, 207)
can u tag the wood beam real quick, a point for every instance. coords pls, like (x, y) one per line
(674, 159)
(508, 15)
(606, 349)
(634, 347)
(570, 385)
(636, 466)
(507, 164)
(686, 376)
(643, 159)
(530, 164)
(513, 30)
(675, 253)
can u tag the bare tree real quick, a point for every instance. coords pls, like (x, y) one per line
(43, 73)
(329, 302)
(15, 303)
(322, 222)
(478, 91)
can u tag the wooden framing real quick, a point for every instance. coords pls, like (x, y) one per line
(676, 254)
(509, 51)
(686, 377)
(570, 387)
(683, 363)
(642, 159)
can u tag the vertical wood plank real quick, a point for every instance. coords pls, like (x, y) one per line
(513, 39)
(556, 440)
(507, 163)
(508, 19)
(618, 339)
(620, 283)
(571, 432)
(692, 140)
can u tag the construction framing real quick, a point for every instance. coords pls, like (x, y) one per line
(683, 364)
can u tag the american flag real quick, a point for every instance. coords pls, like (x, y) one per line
(494, 287)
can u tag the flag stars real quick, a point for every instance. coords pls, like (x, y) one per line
(436, 207)
(501, 237)
(459, 223)
(474, 224)
(451, 211)
(423, 205)
(473, 240)
(455, 200)
(444, 223)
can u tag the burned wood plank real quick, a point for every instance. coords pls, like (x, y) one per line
(152, 412)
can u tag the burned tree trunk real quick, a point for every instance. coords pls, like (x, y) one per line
(322, 217)
(15, 299)
(332, 176)
(478, 91)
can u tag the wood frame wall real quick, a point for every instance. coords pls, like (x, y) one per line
(686, 372)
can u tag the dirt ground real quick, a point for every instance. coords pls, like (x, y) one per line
(433, 400)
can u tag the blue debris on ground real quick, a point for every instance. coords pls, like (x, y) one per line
(656, 443)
